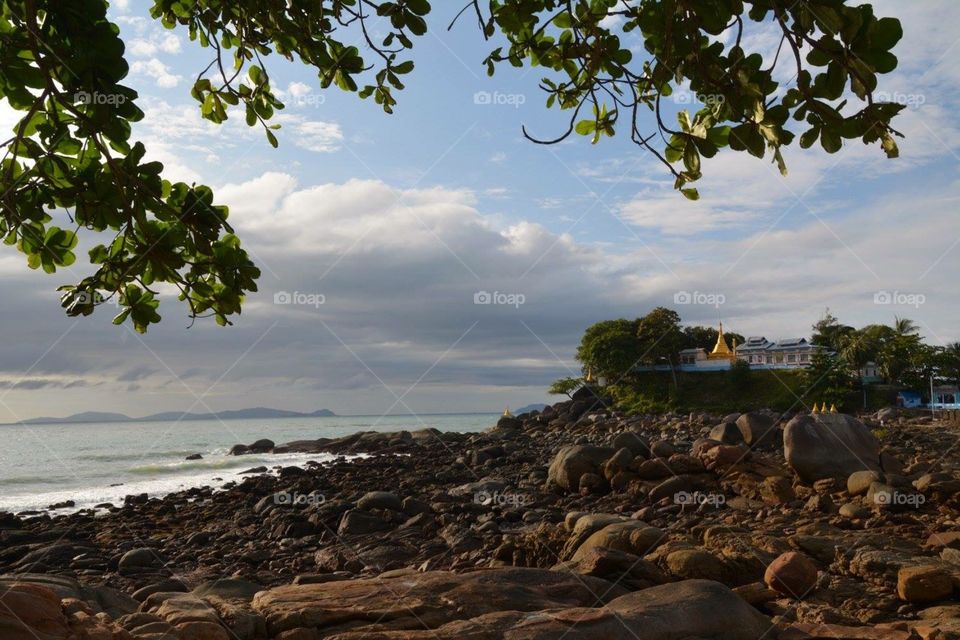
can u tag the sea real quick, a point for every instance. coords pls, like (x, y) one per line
(95, 463)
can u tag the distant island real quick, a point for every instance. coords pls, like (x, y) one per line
(536, 406)
(237, 414)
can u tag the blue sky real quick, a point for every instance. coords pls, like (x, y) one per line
(397, 221)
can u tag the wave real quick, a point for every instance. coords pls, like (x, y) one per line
(227, 462)
(166, 478)
(187, 465)
(122, 457)
(44, 479)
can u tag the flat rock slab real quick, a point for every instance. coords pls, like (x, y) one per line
(425, 601)
(678, 611)
(98, 599)
(841, 632)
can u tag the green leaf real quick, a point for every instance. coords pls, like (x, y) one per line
(586, 127)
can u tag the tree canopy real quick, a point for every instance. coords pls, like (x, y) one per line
(71, 155)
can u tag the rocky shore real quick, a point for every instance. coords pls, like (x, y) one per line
(574, 523)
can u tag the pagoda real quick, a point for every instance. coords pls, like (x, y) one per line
(721, 351)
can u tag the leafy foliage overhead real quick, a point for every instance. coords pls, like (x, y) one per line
(71, 156)
(838, 52)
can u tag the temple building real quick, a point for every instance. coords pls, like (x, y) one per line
(720, 358)
(757, 351)
(791, 353)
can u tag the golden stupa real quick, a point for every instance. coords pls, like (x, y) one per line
(506, 413)
(720, 350)
(589, 377)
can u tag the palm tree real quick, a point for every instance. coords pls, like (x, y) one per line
(900, 350)
(903, 327)
(857, 348)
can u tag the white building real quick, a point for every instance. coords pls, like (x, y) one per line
(791, 353)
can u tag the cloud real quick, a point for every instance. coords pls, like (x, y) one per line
(156, 70)
(313, 135)
(157, 42)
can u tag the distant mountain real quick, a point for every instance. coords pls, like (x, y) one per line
(86, 416)
(238, 414)
(537, 406)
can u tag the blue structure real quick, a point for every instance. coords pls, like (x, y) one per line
(945, 397)
(909, 399)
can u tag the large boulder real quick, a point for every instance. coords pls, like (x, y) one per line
(630, 536)
(380, 500)
(829, 445)
(616, 566)
(760, 430)
(98, 599)
(425, 600)
(636, 443)
(676, 611)
(31, 612)
(727, 433)
(574, 461)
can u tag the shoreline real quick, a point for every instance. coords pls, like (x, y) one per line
(574, 496)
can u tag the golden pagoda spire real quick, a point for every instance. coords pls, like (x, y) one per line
(833, 408)
(721, 351)
(589, 377)
(506, 413)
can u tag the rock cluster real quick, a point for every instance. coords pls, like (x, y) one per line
(576, 522)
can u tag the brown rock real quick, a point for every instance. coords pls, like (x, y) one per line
(572, 462)
(791, 574)
(829, 445)
(676, 611)
(924, 584)
(433, 598)
(944, 539)
(31, 612)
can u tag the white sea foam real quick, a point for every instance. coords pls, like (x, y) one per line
(163, 478)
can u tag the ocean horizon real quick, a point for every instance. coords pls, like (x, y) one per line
(91, 463)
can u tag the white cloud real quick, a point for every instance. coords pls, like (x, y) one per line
(314, 135)
(157, 71)
(158, 42)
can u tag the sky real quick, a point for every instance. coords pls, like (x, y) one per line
(434, 260)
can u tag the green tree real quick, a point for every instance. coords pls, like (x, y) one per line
(706, 337)
(565, 386)
(857, 350)
(826, 379)
(660, 339)
(829, 333)
(900, 349)
(610, 348)
(63, 65)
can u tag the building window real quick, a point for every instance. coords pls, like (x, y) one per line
(803, 357)
(769, 359)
